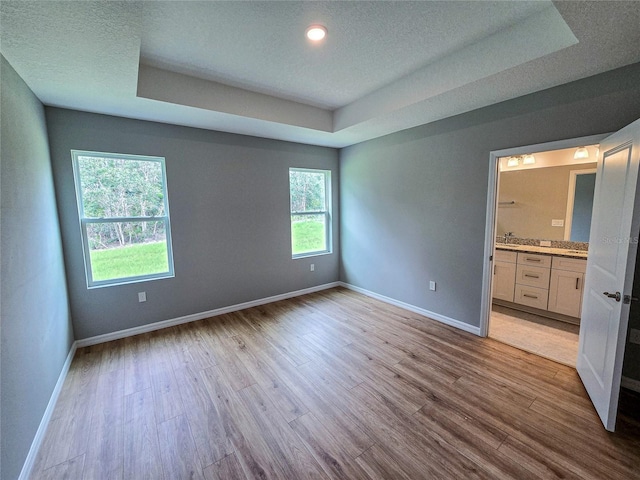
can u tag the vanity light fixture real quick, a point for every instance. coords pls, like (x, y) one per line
(513, 162)
(316, 33)
(528, 159)
(581, 152)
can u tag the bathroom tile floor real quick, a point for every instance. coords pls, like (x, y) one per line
(557, 341)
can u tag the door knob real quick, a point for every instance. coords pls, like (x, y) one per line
(616, 295)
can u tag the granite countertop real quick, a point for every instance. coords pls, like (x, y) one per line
(559, 252)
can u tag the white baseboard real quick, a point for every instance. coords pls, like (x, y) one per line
(435, 316)
(46, 418)
(85, 342)
(631, 384)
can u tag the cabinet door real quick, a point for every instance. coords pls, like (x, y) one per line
(565, 292)
(504, 279)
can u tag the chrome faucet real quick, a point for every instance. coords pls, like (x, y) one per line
(507, 236)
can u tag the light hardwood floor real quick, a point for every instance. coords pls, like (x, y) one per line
(328, 385)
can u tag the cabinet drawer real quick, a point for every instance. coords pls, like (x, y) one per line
(569, 264)
(531, 296)
(533, 259)
(505, 256)
(533, 276)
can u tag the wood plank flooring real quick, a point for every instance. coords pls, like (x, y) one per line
(332, 385)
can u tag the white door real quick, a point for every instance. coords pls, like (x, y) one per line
(610, 267)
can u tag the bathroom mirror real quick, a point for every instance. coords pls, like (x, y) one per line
(552, 203)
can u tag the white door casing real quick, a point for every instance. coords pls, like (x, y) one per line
(610, 268)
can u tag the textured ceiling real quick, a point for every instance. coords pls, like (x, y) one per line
(260, 46)
(244, 67)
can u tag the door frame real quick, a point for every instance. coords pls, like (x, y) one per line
(491, 218)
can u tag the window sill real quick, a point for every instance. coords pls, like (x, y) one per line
(130, 280)
(311, 254)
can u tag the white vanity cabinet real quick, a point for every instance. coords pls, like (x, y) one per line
(504, 275)
(566, 285)
(545, 284)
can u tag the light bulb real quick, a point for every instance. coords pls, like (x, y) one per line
(315, 33)
(581, 152)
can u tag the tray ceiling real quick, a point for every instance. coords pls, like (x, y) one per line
(245, 67)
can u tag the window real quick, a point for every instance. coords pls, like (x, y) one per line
(310, 192)
(124, 217)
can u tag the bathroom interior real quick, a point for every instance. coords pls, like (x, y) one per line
(543, 218)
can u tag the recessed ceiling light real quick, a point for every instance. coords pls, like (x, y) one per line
(315, 33)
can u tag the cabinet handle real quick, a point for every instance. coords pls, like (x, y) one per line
(529, 296)
(577, 283)
(531, 276)
(528, 259)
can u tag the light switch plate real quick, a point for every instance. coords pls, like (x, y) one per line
(432, 285)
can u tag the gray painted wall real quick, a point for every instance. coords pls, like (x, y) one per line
(229, 206)
(36, 328)
(413, 204)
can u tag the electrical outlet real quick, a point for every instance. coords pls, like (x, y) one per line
(142, 297)
(432, 285)
(634, 336)
(312, 267)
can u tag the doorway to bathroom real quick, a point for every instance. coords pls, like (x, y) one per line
(542, 215)
(607, 282)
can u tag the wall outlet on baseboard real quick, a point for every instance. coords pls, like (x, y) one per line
(142, 297)
(634, 336)
(432, 286)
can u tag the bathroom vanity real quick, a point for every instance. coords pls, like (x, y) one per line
(541, 280)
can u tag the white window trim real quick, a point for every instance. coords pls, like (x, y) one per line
(326, 212)
(91, 283)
